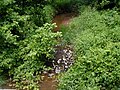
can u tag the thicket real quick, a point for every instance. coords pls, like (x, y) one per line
(96, 40)
(26, 40)
(106, 4)
(74, 5)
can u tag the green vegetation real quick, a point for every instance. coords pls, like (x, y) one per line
(96, 40)
(27, 42)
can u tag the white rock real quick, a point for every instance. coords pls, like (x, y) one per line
(66, 66)
(58, 61)
(57, 70)
(50, 75)
(64, 50)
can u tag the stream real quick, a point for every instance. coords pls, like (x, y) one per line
(63, 58)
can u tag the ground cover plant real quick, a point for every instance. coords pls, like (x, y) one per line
(95, 36)
(26, 40)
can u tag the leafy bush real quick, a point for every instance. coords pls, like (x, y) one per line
(96, 40)
(64, 6)
(26, 59)
(34, 54)
(48, 12)
(26, 42)
(106, 4)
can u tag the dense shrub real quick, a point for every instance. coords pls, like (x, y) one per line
(25, 59)
(48, 12)
(106, 4)
(64, 6)
(26, 42)
(74, 5)
(32, 55)
(96, 40)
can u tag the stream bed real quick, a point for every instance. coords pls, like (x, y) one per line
(63, 56)
(63, 59)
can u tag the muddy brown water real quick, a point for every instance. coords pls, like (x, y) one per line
(48, 82)
(8, 86)
(63, 19)
(63, 58)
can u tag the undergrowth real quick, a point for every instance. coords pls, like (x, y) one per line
(96, 40)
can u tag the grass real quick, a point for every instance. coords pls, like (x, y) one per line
(96, 40)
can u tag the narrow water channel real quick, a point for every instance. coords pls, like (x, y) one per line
(63, 56)
(63, 19)
(63, 59)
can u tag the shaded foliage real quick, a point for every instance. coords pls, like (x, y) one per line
(27, 43)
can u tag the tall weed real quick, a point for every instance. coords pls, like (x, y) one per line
(96, 40)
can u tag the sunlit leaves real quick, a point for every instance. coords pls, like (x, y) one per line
(96, 40)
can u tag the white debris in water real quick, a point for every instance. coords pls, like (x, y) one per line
(51, 74)
(69, 55)
(63, 60)
(57, 69)
(58, 61)
(70, 52)
(45, 72)
(66, 66)
(64, 50)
